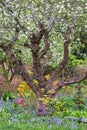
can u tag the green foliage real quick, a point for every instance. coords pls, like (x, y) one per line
(78, 114)
(4, 58)
(58, 106)
(79, 45)
(72, 99)
(84, 83)
(8, 95)
(30, 99)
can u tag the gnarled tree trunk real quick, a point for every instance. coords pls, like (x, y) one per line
(41, 108)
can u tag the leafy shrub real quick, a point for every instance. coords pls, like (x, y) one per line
(57, 106)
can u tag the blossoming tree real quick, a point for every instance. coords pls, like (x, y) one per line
(35, 25)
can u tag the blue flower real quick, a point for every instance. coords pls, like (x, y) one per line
(58, 121)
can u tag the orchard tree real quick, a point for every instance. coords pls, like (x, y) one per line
(38, 25)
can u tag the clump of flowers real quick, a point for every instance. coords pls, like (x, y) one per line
(23, 86)
(45, 99)
(28, 96)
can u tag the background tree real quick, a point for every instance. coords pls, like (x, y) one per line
(80, 47)
(39, 26)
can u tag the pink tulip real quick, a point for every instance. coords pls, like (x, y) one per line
(21, 100)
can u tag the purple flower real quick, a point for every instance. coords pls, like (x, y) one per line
(1, 104)
(58, 121)
(74, 126)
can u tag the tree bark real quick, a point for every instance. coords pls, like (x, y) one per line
(41, 108)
